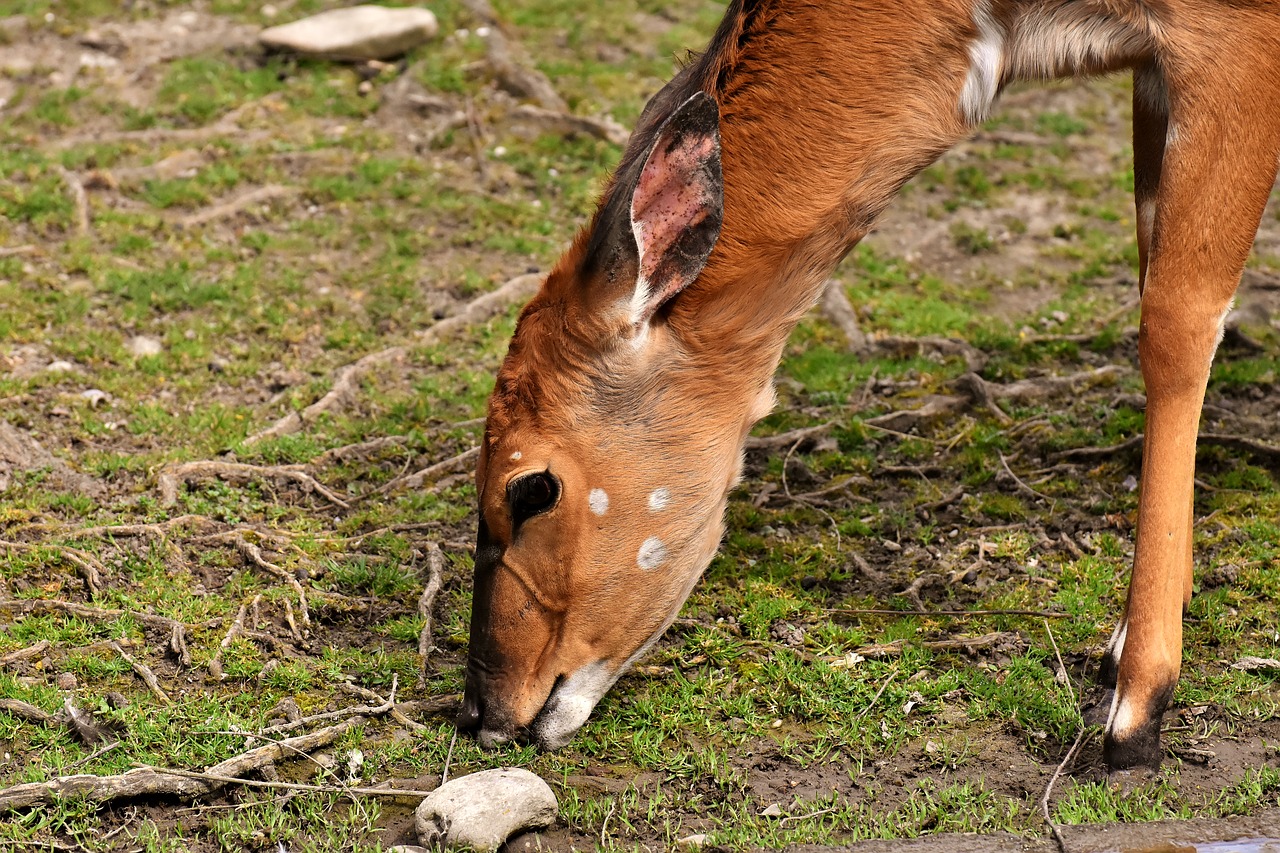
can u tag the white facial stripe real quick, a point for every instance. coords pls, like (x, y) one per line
(651, 554)
(658, 500)
(598, 500)
(570, 705)
(986, 60)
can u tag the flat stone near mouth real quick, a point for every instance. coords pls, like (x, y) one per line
(483, 810)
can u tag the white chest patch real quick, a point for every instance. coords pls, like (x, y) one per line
(986, 65)
(598, 500)
(659, 499)
(652, 554)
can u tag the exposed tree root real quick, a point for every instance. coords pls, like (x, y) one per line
(253, 554)
(25, 711)
(84, 611)
(787, 439)
(144, 672)
(346, 382)
(87, 564)
(896, 648)
(238, 472)
(154, 781)
(431, 472)
(435, 579)
(568, 124)
(235, 205)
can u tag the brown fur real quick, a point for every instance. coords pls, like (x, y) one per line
(826, 109)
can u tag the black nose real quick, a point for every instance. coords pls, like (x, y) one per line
(472, 712)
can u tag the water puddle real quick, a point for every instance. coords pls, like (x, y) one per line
(1242, 845)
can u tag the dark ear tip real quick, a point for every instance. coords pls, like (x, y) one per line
(700, 112)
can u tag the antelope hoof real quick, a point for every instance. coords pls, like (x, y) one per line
(1136, 750)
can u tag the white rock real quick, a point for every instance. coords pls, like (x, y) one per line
(95, 396)
(141, 345)
(693, 841)
(483, 810)
(60, 366)
(355, 33)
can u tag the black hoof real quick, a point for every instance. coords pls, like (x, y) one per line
(1139, 749)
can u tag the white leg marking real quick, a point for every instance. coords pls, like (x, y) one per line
(986, 61)
(1222, 329)
(598, 500)
(1116, 646)
(1120, 721)
(651, 554)
(658, 500)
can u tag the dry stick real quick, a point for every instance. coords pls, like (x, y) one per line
(79, 198)
(25, 710)
(431, 472)
(159, 529)
(567, 123)
(435, 579)
(287, 786)
(358, 710)
(346, 380)
(235, 205)
(1018, 480)
(872, 611)
(84, 611)
(238, 472)
(237, 625)
(150, 781)
(144, 672)
(24, 654)
(896, 648)
(97, 753)
(10, 251)
(1062, 667)
(1048, 789)
(178, 645)
(448, 757)
(784, 439)
(359, 450)
(1268, 453)
(90, 569)
(879, 693)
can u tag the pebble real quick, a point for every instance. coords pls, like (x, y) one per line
(483, 810)
(693, 841)
(60, 366)
(354, 33)
(95, 397)
(141, 346)
(67, 681)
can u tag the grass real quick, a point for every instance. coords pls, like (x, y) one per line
(736, 725)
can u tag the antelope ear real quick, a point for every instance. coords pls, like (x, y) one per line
(677, 206)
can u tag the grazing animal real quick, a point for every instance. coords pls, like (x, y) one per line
(616, 427)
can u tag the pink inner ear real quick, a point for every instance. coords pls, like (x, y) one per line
(671, 197)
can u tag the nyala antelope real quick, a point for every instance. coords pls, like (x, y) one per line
(616, 427)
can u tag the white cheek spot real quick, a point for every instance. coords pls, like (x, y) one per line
(1172, 136)
(659, 499)
(652, 553)
(598, 500)
(986, 60)
(517, 456)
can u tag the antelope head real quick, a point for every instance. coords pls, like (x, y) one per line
(609, 450)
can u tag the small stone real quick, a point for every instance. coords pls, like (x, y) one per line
(355, 33)
(407, 848)
(60, 366)
(693, 841)
(115, 700)
(66, 681)
(774, 810)
(483, 810)
(141, 346)
(95, 397)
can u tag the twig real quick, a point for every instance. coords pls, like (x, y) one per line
(284, 786)
(1018, 480)
(24, 654)
(253, 554)
(431, 472)
(235, 205)
(10, 251)
(871, 611)
(448, 757)
(897, 647)
(567, 123)
(237, 625)
(347, 379)
(355, 711)
(808, 816)
(604, 826)
(435, 579)
(238, 472)
(1092, 454)
(144, 672)
(97, 753)
(79, 198)
(879, 693)
(25, 710)
(1053, 780)
(785, 439)
(147, 781)
(359, 450)
(1062, 667)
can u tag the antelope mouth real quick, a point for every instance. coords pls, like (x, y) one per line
(567, 708)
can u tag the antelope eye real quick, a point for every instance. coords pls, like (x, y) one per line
(532, 494)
